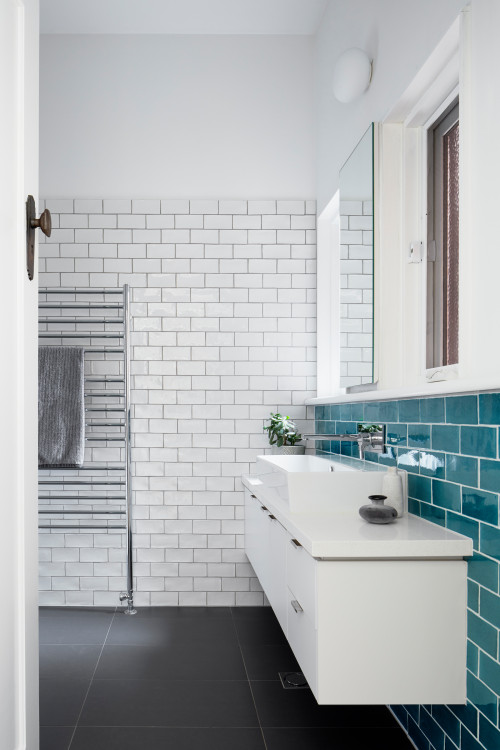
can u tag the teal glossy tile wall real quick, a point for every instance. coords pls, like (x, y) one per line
(450, 448)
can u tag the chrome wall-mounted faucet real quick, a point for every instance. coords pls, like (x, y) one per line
(372, 439)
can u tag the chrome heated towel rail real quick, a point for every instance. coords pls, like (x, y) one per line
(97, 496)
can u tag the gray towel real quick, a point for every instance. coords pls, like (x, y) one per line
(61, 408)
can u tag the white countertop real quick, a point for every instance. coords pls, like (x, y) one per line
(345, 535)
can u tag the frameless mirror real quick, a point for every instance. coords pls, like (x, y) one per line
(356, 264)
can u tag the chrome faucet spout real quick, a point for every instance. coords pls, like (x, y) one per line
(372, 440)
(349, 436)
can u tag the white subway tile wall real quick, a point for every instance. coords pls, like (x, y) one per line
(356, 292)
(223, 332)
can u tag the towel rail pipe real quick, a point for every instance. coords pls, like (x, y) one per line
(128, 595)
(92, 498)
(75, 335)
(81, 512)
(81, 526)
(104, 439)
(106, 379)
(91, 394)
(69, 480)
(76, 290)
(98, 350)
(87, 467)
(104, 408)
(80, 321)
(79, 306)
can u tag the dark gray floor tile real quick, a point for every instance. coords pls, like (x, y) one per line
(338, 739)
(74, 625)
(201, 699)
(160, 632)
(298, 708)
(175, 704)
(182, 660)
(55, 738)
(154, 738)
(246, 612)
(61, 701)
(68, 661)
(179, 613)
(263, 662)
(259, 631)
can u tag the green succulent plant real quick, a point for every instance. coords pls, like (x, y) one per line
(369, 427)
(282, 431)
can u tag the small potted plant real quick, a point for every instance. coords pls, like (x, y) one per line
(283, 435)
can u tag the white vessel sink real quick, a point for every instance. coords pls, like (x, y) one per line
(317, 485)
(305, 463)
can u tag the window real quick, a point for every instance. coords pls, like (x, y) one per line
(443, 239)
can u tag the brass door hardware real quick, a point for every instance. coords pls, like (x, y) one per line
(44, 222)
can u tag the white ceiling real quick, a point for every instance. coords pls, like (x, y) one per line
(181, 16)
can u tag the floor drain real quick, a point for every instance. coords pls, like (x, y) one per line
(293, 680)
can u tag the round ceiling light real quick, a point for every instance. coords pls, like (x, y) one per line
(352, 75)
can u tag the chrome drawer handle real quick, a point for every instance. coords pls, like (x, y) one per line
(295, 543)
(296, 606)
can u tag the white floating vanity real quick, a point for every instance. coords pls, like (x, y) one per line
(375, 614)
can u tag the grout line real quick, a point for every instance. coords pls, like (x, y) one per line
(248, 679)
(91, 679)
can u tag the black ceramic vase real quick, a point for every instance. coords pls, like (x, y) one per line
(377, 512)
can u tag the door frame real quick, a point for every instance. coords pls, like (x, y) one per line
(19, 43)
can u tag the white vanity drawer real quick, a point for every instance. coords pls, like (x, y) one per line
(302, 637)
(265, 546)
(301, 576)
(257, 531)
(276, 593)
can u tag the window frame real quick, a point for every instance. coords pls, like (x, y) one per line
(435, 261)
(437, 372)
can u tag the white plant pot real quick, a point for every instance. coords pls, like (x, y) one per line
(289, 450)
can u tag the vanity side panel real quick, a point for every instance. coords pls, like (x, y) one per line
(391, 632)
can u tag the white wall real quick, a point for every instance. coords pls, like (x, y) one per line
(176, 116)
(481, 262)
(399, 35)
(223, 287)
(356, 175)
(223, 332)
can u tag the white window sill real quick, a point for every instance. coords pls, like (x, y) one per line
(437, 374)
(423, 390)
